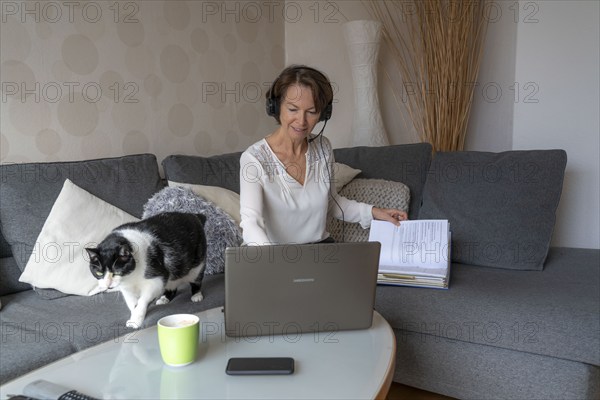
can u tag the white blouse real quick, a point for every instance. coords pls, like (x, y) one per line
(277, 209)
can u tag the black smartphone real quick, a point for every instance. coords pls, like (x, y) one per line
(260, 366)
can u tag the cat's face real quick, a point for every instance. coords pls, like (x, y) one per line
(110, 262)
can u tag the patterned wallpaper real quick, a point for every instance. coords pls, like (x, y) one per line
(89, 79)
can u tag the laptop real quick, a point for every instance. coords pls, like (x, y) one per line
(294, 289)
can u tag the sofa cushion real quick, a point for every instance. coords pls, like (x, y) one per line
(9, 277)
(221, 170)
(228, 200)
(501, 206)
(28, 192)
(552, 312)
(78, 219)
(5, 250)
(406, 163)
(36, 332)
(378, 192)
(465, 370)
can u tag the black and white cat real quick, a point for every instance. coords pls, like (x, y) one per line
(149, 259)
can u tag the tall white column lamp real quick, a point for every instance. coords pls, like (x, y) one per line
(362, 40)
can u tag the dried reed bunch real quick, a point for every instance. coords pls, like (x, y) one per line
(437, 47)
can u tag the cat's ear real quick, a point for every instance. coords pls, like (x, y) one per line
(124, 251)
(93, 253)
(202, 218)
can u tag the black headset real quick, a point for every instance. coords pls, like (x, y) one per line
(273, 101)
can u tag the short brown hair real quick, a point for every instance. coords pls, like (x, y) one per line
(305, 76)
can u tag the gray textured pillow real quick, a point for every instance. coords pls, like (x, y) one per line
(220, 229)
(501, 206)
(378, 192)
(28, 192)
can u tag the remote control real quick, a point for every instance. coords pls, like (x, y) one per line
(45, 390)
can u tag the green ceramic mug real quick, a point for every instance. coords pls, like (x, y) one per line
(178, 339)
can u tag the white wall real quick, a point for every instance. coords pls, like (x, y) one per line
(560, 55)
(535, 50)
(491, 124)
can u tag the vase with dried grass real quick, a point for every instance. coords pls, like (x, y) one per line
(436, 46)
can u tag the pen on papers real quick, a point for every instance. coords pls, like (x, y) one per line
(398, 276)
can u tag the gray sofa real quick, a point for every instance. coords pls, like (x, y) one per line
(520, 319)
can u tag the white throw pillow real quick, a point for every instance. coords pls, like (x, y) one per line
(78, 219)
(225, 199)
(343, 174)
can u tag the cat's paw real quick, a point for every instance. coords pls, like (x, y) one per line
(163, 300)
(96, 290)
(134, 323)
(197, 297)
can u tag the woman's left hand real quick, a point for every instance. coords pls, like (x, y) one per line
(389, 214)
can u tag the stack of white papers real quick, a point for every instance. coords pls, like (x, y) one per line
(416, 253)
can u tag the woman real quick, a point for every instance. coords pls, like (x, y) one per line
(285, 178)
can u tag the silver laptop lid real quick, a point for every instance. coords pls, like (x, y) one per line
(292, 289)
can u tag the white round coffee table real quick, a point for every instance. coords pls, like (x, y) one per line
(343, 365)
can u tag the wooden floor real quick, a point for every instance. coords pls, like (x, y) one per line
(402, 392)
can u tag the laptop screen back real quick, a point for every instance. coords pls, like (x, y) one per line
(292, 289)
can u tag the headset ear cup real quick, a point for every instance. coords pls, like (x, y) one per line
(326, 114)
(270, 107)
